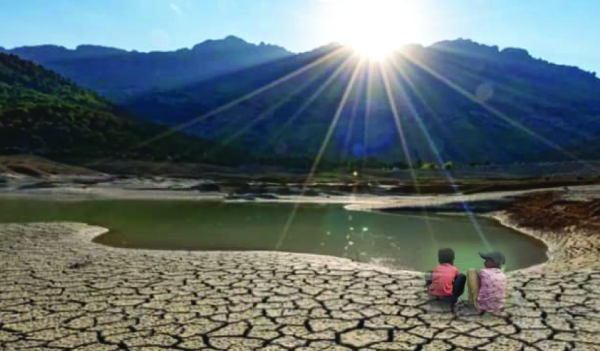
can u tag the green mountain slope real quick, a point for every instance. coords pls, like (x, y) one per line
(43, 113)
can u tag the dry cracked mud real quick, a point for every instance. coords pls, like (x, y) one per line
(60, 291)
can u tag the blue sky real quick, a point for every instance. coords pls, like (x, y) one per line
(561, 31)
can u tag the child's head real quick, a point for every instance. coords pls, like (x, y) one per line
(446, 256)
(493, 259)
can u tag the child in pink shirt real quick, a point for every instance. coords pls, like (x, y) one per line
(487, 287)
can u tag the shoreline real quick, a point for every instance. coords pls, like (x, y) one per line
(368, 203)
(551, 247)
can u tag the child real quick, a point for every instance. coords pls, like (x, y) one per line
(487, 287)
(446, 280)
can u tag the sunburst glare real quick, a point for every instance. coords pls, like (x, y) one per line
(373, 28)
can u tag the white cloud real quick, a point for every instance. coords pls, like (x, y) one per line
(176, 8)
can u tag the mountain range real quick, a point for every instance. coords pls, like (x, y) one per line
(454, 101)
(119, 74)
(458, 100)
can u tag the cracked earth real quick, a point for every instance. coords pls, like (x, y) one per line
(60, 291)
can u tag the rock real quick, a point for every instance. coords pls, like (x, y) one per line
(28, 171)
(92, 181)
(206, 187)
(40, 185)
(311, 192)
(247, 197)
(238, 187)
(266, 196)
(285, 191)
(3, 181)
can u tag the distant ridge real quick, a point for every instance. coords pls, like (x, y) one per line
(120, 74)
(474, 49)
(53, 53)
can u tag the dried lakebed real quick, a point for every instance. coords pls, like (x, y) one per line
(61, 291)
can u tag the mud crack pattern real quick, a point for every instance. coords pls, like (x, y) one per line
(59, 291)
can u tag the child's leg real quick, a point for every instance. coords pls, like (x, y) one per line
(458, 288)
(473, 285)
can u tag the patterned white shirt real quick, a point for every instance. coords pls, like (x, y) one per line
(492, 293)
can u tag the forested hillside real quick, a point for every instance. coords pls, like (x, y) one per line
(43, 113)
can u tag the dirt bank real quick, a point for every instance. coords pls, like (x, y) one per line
(553, 211)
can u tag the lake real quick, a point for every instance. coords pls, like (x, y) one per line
(406, 241)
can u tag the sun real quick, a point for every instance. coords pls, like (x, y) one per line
(374, 28)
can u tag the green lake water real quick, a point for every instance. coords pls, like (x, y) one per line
(397, 241)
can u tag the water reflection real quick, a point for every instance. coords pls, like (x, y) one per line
(397, 241)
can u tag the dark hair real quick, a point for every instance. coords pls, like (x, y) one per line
(446, 256)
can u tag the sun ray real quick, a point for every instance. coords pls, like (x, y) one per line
(398, 123)
(502, 86)
(336, 118)
(311, 99)
(437, 154)
(492, 110)
(418, 119)
(239, 100)
(350, 128)
(322, 149)
(422, 100)
(368, 106)
(271, 109)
